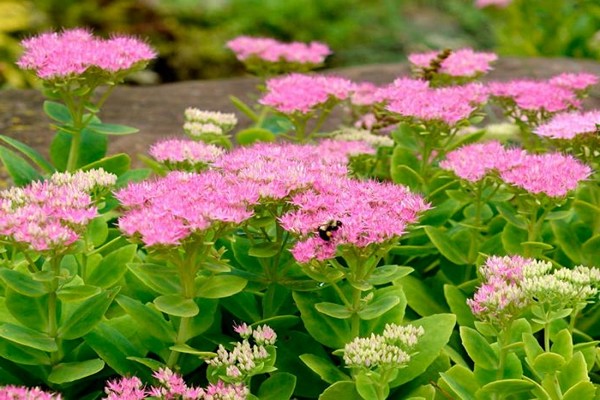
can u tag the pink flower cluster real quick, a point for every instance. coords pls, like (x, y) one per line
(168, 210)
(552, 174)
(460, 63)
(574, 81)
(569, 125)
(497, 3)
(412, 98)
(171, 386)
(536, 96)
(189, 152)
(370, 212)
(46, 215)
(300, 93)
(73, 52)
(12, 392)
(271, 50)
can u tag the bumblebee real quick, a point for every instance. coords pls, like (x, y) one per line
(326, 230)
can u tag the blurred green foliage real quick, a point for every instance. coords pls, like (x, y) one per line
(191, 34)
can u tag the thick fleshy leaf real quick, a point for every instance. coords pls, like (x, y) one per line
(457, 301)
(73, 371)
(366, 387)
(112, 267)
(111, 129)
(324, 368)
(97, 231)
(249, 136)
(31, 153)
(548, 363)
(378, 307)
(22, 354)
(184, 348)
(218, 286)
(158, 277)
(444, 244)
(57, 111)
(176, 305)
(582, 390)
(149, 320)
(116, 164)
(573, 372)
(264, 250)
(388, 273)
(75, 293)
(461, 381)
(280, 386)
(28, 337)
(341, 390)
(505, 387)
(29, 311)
(92, 147)
(420, 298)
(478, 348)
(20, 171)
(333, 310)
(86, 316)
(22, 283)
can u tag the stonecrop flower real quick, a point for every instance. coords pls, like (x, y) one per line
(460, 63)
(70, 53)
(473, 162)
(51, 215)
(496, 3)
(414, 99)
(574, 81)
(569, 125)
(552, 174)
(199, 122)
(180, 153)
(12, 392)
(271, 50)
(300, 93)
(125, 389)
(513, 283)
(370, 212)
(535, 96)
(363, 135)
(168, 210)
(392, 349)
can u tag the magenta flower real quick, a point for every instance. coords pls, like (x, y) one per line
(368, 212)
(574, 81)
(125, 389)
(12, 392)
(473, 162)
(168, 210)
(460, 63)
(413, 99)
(496, 3)
(552, 174)
(74, 52)
(271, 50)
(186, 152)
(569, 125)
(299, 93)
(535, 96)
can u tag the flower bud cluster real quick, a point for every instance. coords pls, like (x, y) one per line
(363, 135)
(185, 154)
(245, 359)
(392, 349)
(199, 122)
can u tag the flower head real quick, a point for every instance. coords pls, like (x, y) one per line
(580, 81)
(198, 122)
(70, 53)
(185, 153)
(272, 51)
(496, 3)
(12, 392)
(569, 125)
(460, 63)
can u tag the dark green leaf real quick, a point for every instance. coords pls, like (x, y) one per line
(111, 129)
(20, 171)
(112, 267)
(117, 164)
(404, 175)
(279, 386)
(457, 301)
(511, 215)
(92, 147)
(86, 316)
(264, 250)
(324, 368)
(23, 354)
(444, 244)
(420, 298)
(341, 390)
(31, 153)
(31, 312)
(388, 273)
(157, 277)
(461, 381)
(58, 112)
(148, 319)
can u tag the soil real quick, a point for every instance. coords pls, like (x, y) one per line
(158, 110)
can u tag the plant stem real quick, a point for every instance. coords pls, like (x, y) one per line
(52, 307)
(355, 319)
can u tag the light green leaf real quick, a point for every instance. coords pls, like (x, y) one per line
(149, 320)
(478, 348)
(58, 112)
(22, 283)
(75, 293)
(548, 363)
(73, 371)
(279, 386)
(333, 310)
(378, 307)
(388, 273)
(218, 286)
(86, 316)
(176, 305)
(341, 390)
(505, 387)
(112, 267)
(111, 129)
(31, 153)
(158, 277)
(250, 136)
(27, 337)
(462, 382)
(19, 170)
(444, 244)
(324, 368)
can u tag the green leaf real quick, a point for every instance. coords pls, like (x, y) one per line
(31, 153)
(341, 390)
(404, 175)
(243, 306)
(532, 347)
(29, 311)
(582, 390)
(20, 171)
(573, 372)
(73, 371)
(444, 244)
(462, 382)
(148, 362)
(324, 368)
(75, 293)
(365, 386)
(563, 344)
(177, 305)
(112, 267)
(113, 347)
(58, 112)
(505, 387)
(457, 301)
(333, 310)
(511, 215)
(97, 231)
(249, 136)
(111, 129)
(92, 147)
(265, 250)
(537, 245)
(22, 283)
(388, 273)
(240, 105)
(378, 307)
(420, 298)
(117, 164)
(512, 237)
(86, 316)
(438, 329)
(184, 348)
(591, 255)
(22, 354)
(27, 337)
(133, 175)
(218, 286)
(548, 363)
(279, 386)
(478, 348)
(149, 320)
(160, 278)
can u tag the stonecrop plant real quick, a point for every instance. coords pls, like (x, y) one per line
(411, 253)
